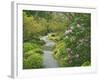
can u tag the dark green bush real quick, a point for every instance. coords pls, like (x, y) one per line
(87, 63)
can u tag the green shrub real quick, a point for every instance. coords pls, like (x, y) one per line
(33, 61)
(32, 52)
(38, 41)
(60, 54)
(27, 54)
(63, 62)
(37, 50)
(53, 37)
(36, 46)
(87, 63)
(58, 50)
(56, 54)
(27, 46)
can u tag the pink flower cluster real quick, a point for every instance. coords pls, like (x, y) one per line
(68, 31)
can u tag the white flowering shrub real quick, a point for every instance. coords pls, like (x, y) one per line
(75, 50)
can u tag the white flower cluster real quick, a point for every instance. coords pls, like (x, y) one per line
(68, 31)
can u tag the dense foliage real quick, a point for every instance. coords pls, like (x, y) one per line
(32, 56)
(74, 48)
(38, 23)
(70, 32)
